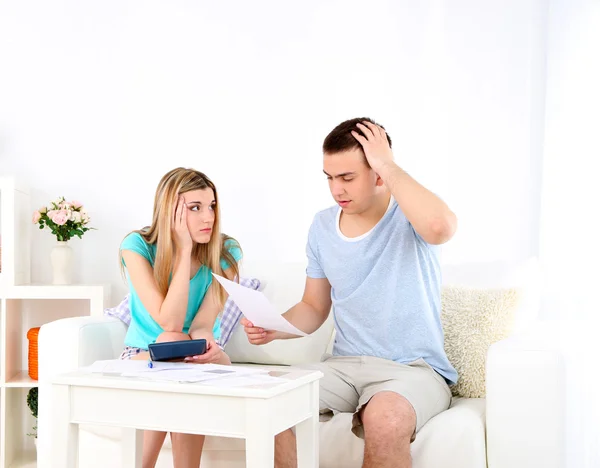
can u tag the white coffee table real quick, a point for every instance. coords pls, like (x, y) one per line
(256, 413)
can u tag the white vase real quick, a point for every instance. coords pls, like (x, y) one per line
(61, 258)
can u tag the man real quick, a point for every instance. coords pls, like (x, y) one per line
(375, 258)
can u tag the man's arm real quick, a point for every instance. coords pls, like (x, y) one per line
(430, 217)
(308, 315)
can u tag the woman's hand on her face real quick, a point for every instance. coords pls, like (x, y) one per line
(181, 233)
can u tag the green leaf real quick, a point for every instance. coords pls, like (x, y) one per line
(32, 401)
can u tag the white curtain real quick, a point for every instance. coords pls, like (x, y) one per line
(570, 209)
(570, 214)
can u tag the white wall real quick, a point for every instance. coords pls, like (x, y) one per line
(246, 91)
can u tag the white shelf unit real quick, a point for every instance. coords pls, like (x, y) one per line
(15, 232)
(23, 306)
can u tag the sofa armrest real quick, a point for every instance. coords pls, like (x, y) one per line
(66, 344)
(63, 346)
(526, 401)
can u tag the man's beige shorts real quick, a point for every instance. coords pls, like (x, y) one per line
(349, 383)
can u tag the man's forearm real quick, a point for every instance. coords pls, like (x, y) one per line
(304, 317)
(429, 215)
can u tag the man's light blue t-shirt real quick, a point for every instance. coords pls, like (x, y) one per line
(385, 288)
(143, 329)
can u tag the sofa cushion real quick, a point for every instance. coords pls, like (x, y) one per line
(473, 319)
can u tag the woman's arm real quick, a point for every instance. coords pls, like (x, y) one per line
(168, 311)
(207, 312)
(203, 324)
(209, 309)
(202, 328)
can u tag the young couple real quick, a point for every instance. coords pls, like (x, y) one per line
(373, 257)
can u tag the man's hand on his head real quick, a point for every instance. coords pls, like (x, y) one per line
(375, 144)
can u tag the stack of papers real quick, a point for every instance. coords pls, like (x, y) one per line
(211, 374)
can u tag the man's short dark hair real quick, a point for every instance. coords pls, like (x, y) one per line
(340, 139)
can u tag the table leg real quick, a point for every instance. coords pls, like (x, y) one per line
(260, 450)
(65, 435)
(260, 440)
(307, 433)
(131, 447)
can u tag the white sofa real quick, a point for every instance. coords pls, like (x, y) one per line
(511, 428)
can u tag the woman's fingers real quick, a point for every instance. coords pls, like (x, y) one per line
(209, 356)
(183, 214)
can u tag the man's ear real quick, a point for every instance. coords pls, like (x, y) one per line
(379, 181)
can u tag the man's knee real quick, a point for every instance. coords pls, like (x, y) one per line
(172, 336)
(388, 414)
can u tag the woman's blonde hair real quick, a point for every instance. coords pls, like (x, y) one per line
(173, 184)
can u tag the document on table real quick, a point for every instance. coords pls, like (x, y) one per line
(121, 366)
(256, 307)
(172, 371)
(245, 381)
(197, 373)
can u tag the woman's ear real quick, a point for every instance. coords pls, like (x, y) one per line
(379, 181)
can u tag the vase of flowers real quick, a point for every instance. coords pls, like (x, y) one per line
(65, 220)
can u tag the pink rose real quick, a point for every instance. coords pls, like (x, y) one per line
(75, 204)
(36, 217)
(60, 217)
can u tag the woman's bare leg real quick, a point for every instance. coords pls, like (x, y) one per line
(187, 448)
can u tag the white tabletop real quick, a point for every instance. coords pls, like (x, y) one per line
(291, 378)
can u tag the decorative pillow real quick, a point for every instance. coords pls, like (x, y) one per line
(232, 314)
(120, 311)
(473, 319)
(229, 318)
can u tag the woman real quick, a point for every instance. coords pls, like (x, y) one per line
(169, 269)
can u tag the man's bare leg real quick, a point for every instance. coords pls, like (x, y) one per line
(285, 450)
(389, 422)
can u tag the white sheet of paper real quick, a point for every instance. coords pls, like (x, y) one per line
(125, 366)
(245, 381)
(198, 373)
(256, 307)
(176, 375)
